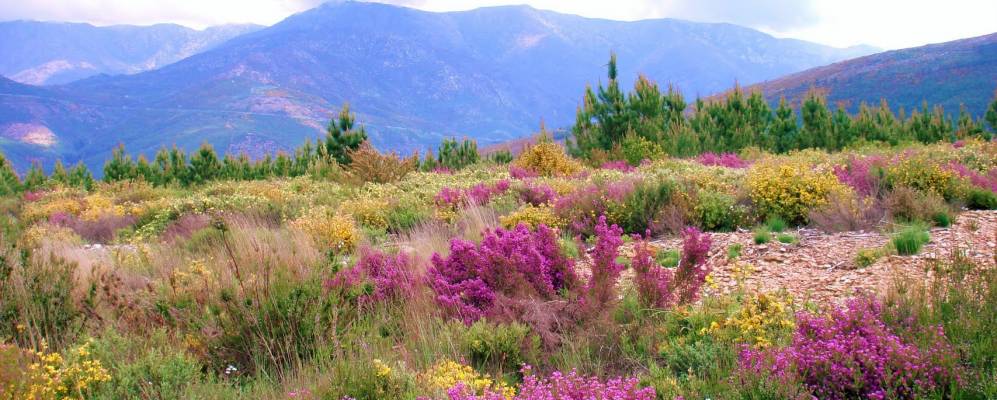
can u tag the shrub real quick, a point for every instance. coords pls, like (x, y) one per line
(662, 287)
(329, 229)
(448, 375)
(50, 375)
(532, 216)
(909, 239)
(537, 194)
(924, 175)
(642, 205)
(728, 160)
(861, 174)
(909, 205)
(981, 199)
(618, 165)
(369, 165)
(760, 321)
(867, 257)
(560, 386)
(583, 207)
(790, 190)
(636, 148)
(97, 230)
(547, 158)
(853, 354)
(383, 277)
(601, 287)
(846, 212)
(516, 263)
(762, 236)
(501, 347)
(717, 211)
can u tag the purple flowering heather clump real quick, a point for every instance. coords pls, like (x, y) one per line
(655, 284)
(988, 181)
(584, 206)
(618, 165)
(728, 160)
(478, 195)
(565, 386)
(851, 353)
(521, 173)
(605, 270)
(858, 174)
(662, 287)
(537, 194)
(389, 276)
(449, 197)
(516, 263)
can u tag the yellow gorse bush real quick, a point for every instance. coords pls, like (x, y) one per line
(921, 174)
(791, 189)
(446, 374)
(532, 216)
(329, 229)
(547, 159)
(51, 375)
(369, 211)
(760, 319)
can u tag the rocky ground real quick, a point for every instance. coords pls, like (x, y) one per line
(821, 267)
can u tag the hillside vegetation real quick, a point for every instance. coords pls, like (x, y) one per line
(584, 272)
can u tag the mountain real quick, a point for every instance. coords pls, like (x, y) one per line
(413, 76)
(961, 72)
(45, 53)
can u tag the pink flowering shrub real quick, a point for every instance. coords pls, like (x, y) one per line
(100, 230)
(561, 386)
(853, 354)
(516, 264)
(859, 174)
(662, 287)
(451, 198)
(728, 160)
(521, 173)
(537, 194)
(988, 181)
(619, 165)
(601, 287)
(33, 195)
(584, 206)
(376, 277)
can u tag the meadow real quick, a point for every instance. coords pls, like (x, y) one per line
(539, 276)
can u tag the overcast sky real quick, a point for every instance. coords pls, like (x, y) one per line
(887, 24)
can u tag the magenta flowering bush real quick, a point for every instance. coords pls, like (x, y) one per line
(859, 174)
(728, 160)
(537, 194)
(584, 206)
(662, 287)
(379, 276)
(521, 173)
(515, 264)
(851, 353)
(988, 181)
(452, 198)
(564, 386)
(619, 165)
(601, 287)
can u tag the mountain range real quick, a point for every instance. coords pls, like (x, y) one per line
(46, 53)
(413, 76)
(952, 74)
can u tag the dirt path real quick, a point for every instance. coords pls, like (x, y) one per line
(821, 267)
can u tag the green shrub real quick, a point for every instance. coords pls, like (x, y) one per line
(909, 239)
(636, 149)
(644, 204)
(668, 258)
(502, 348)
(762, 236)
(942, 219)
(734, 251)
(981, 199)
(786, 238)
(719, 211)
(867, 257)
(145, 368)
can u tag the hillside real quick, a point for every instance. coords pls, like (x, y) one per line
(46, 53)
(952, 73)
(413, 76)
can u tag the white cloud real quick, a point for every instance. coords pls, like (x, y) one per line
(883, 23)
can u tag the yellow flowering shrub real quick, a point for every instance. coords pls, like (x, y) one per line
(37, 233)
(43, 375)
(547, 159)
(369, 211)
(760, 320)
(98, 205)
(447, 374)
(532, 216)
(52, 204)
(925, 175)
(791, 189)
(329, 229)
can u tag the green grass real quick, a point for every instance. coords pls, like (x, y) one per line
(762, 236)
(786, 238)
(776, 224)
(910, 239)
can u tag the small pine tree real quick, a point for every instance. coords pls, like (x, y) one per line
(204, 165)
(35, 178)
(991, 115)
(59, 174)
(120, 167)
(341, 138)
(80, 177)
(784, 128)
(10, 183)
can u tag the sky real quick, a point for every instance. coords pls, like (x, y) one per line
(887, 24)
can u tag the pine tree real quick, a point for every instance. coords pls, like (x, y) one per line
(35, 178)
(204, 166)
(80, 177)
(991, 115)
(341, 137)
(120, 167)
(784, 128)
(10, 183)
(816, 132)
(59, 174)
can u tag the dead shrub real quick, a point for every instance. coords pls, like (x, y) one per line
(906, 204)
(846, 212)
(370, 165)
